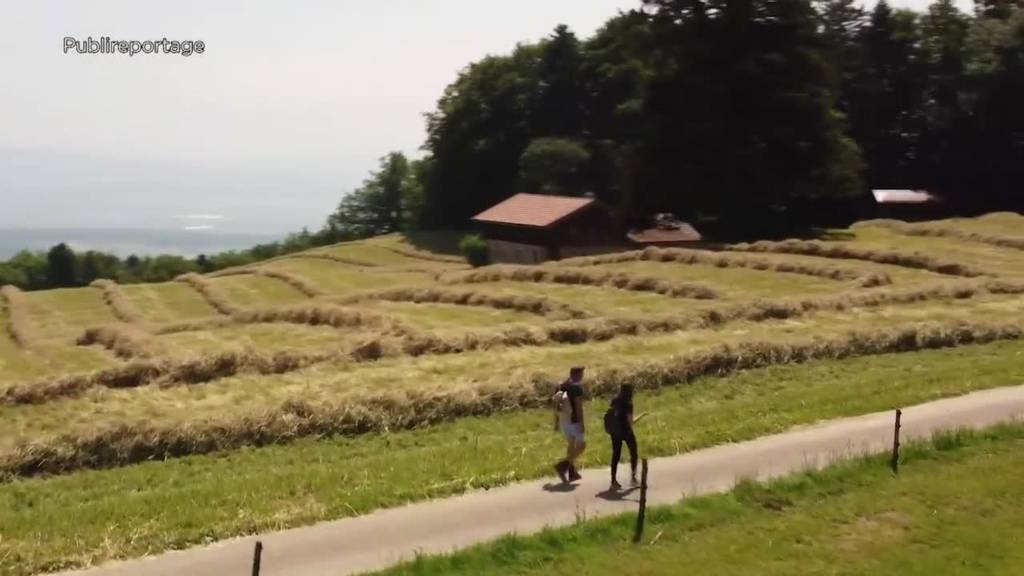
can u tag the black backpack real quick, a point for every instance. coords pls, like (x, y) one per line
(612, 422)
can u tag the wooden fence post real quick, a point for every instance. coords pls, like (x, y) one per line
(896, 444)
(256, 556)
(642, 514)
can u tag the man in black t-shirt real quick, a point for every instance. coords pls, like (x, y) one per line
(572, 426)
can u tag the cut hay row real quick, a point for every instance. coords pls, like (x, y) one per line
(601, 329)
(332, 258)
(422, 255)
(391, 338)
(297, 418)
(299, 283)
(124, 340)
(849, 252)
(208, 291)
(19, 325)
(239, 271)
(586, 277)
(123, 309)
(539, 305)
(932, 231)
(385, 339)
(321, 313)
(167, 372)
(731, 260)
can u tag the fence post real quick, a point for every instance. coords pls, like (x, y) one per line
(642, 514)
(896, 444)
(256, 556)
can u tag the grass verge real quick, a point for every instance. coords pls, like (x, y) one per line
(135, 510)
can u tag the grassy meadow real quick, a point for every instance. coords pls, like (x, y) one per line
(316, 366)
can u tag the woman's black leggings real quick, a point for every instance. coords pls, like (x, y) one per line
(630, 439)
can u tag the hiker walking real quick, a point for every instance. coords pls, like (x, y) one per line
(618, 423)
(569, 420)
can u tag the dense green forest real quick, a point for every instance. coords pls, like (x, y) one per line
(727, 110)
(734, 107)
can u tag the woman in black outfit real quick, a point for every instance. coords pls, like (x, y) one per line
(621, 431)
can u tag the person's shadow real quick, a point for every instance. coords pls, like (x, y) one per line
(559, 487)
(618, 495)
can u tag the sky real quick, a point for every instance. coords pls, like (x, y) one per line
(287, 109)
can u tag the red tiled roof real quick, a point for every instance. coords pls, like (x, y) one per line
(685, 233)
(536, 210)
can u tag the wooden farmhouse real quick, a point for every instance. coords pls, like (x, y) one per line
(532, 228)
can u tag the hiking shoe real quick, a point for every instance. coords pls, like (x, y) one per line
(562, 468)
(634, 482)
(615, 486)
(573, 474)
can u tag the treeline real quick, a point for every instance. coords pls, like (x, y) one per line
(730, 109)
(63, 267)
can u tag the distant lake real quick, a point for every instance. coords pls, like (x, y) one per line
(125, 242)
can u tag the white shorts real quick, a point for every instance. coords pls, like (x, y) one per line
(572, 432)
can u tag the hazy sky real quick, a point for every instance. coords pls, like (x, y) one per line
(287, 109)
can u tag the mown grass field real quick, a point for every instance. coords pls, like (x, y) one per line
(954, 509)
(391, 358)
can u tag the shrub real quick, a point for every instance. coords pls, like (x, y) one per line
(475, 249)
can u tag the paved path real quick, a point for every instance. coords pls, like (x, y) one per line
(383, 538)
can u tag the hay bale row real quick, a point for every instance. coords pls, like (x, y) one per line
(238, 271)
(168, 372)
(321, 314)
(539, 305)
(207, 290)
(392, 338)
(298, 418)
(577, 276)
(732, 260)
(601, 329)
(124, 340)
(295, 281)
(925, 230)
(123, 309)
(850, 252)
(333, 258)
(19, 325)
(422, 255)
(385, 339)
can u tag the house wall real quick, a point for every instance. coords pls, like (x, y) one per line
(505, 252)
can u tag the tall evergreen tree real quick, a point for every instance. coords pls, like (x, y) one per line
(558, 109)
(60, 266)
(744, 116)
(886, 98)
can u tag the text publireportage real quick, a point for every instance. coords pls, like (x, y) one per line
(132, 47)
